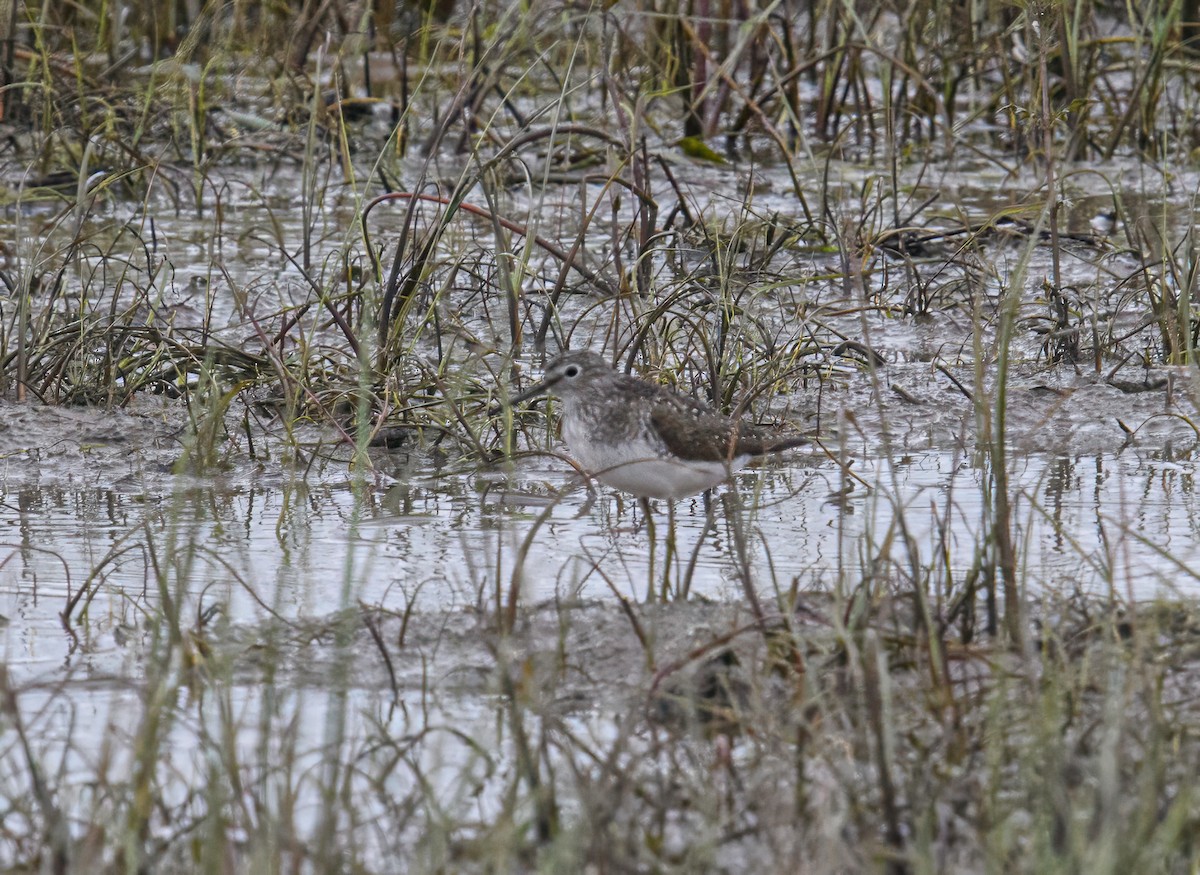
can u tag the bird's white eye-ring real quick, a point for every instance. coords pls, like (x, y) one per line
(571, 371)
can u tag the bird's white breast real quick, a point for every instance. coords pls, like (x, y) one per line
(639, 463)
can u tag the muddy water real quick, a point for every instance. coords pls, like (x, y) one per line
(281, 559)
(1124, 523)
(281, 555)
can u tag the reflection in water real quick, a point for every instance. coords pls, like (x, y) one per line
(449, 548)
(1092, 522)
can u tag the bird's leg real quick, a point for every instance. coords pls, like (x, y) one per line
(740, 547)
(669, 549)
(645, 505)
(710, 525)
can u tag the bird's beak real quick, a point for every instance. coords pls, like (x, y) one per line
(531, 392)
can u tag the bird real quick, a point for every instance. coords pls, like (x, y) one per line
(643, 438)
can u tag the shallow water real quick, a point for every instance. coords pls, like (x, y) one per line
(1124, 523)
(281, 559)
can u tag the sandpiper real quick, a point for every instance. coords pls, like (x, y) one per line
(644, 438)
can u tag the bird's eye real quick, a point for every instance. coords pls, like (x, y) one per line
(571, 372)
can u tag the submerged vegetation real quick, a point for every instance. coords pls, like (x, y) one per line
(369, 221)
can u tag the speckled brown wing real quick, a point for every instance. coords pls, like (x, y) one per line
(757, 441)
(692, 430)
